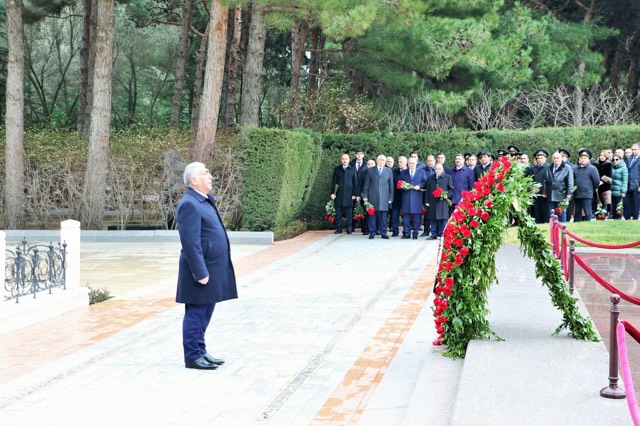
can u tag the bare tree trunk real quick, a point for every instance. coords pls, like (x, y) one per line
(231, 71)
(98, 156)
(214, 74)
(252, 70)
(577, 93)
(197, 84)
(176, 105)
(313, 60)
(83, 88)
(633, 74)
(298, 37)
(14, 120)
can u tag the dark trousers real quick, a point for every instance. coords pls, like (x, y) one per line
(411, 224)
(632, 210)
(614, 206)
(427, 224)
(395, 220)
(349, 218)
(194, 325)
(364, 223)
(437, 227)
(541, 209)
(378, 223)
(580, 205)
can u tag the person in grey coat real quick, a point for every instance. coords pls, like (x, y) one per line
(559, 184)
(619, 184)
(586, 179)
(377, 189)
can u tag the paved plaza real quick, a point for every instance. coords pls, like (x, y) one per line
(328, 329)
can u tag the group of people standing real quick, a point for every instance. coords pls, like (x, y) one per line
(425, 194)
(606, 186)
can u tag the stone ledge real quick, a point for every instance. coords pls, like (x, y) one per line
(158, 236)
(14, 316)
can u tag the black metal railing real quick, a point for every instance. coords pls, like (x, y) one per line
(33, 269)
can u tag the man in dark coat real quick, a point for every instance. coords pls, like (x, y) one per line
(360, 164)
(463, 179)
(428, 170)
(412, 199)
(438, 208)
(633, 192)
(484, 164)
(538, 172)
(205, 272)
(378, 190)
(346, 182)
(559, 185)
(585, 179)
(396, 206)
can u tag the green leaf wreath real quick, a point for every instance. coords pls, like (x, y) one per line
(467, 266)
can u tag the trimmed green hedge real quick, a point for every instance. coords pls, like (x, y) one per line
(279, 168)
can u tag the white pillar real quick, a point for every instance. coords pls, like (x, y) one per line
(3, 254)
(70, 234)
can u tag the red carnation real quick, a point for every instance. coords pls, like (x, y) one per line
(457, 242)
(371, 211)
(436, 342)
(447, 291)
(449, 266)
(440, 330)
(488, 204)
(500, 176)
(459, 260)
(472, 212)
(399, 184)
(444, 305)
(464, 251)
(449, 282)
(466, 232)
(438, 311)
(474, 223)
(485, 216)
(500, 187)
(486, 191)
(495, 165)
(437, 192)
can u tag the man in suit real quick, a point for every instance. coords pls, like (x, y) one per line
(346, 182)
(205, 272)
(538, 171)
(396, 206)
(559, 183)
(378, 190)
(429, 170)
(463, 180)
(412, 200)
(484, 164)
(633, 194)
(360, 165)
(585, 179)
(438, 208)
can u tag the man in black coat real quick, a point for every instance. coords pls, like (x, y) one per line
(586, 179)
(438, 208)
(344, 187)
(539, 173)
(396, 206)
(484, 164)
(205, 271)
(360, 165)
(378, 190)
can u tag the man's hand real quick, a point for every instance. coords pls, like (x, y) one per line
(416, 187)
(353, 197)
(204, 280)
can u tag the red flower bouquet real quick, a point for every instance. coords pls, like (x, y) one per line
(369, 208)
(441, 194)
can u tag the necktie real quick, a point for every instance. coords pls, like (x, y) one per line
(358, 166)
(633, 159)
(411, 174)
(555, 169)
(379, 171)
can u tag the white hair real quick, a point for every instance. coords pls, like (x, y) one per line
(190, 171)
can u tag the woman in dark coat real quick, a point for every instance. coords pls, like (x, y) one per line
(603, 192)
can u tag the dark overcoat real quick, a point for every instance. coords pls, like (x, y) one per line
(347, 182)
(438, 209)
(378, 189)
(412, 200)
(463, 179)
(205, 252)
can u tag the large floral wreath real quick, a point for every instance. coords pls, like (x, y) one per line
(467, 268)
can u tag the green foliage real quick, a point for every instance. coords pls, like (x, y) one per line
(599, 231)
(280, 167)
(98, 295)
(290, 230)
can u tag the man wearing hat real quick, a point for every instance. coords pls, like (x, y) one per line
(513, 150)
(360, 165)
(559, 184)
(586, 179)
(538, 171)
(483, 167)
(566, 154)
(503, 152)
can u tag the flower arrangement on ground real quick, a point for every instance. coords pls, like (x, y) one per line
(619, 208)
(467, 269)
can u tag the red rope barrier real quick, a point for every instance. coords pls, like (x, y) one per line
(632, 331)
(612, 289)
(604, 246)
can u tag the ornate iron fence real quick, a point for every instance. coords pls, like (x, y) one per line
(33, 269)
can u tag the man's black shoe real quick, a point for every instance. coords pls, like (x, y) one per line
(371, 236)
(395, 234)
(405, 237)
(201, 364)
(415, 237)
(212, 360)
(424, 234)
(349, 232)
(432, 237)
(338, 231)
(385, 237)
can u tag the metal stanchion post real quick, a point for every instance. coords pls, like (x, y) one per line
(613, 391)
(571, 266)
(563, 243)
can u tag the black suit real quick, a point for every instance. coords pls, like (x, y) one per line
(438, 208)
(361, 172)
(540, 205)
(346, 181)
